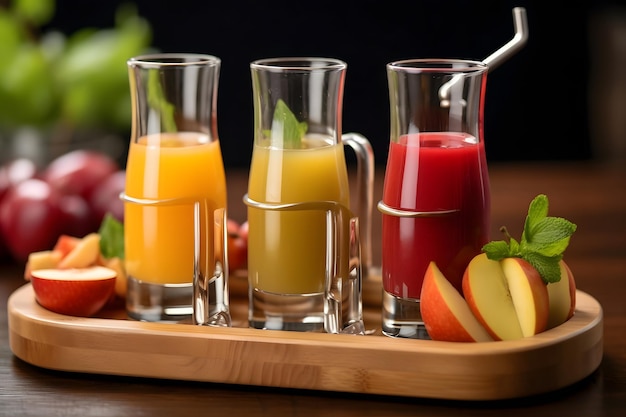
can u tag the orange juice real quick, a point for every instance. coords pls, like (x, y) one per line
(159, 240)
(287, 250)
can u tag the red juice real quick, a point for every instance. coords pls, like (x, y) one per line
(433, 171)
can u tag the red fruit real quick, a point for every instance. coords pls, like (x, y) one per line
(243, 231)
(74, 292)
(30, 218)
(237, 247)
(106, 197)
(14, 172)
(79, 172)
(78, 218)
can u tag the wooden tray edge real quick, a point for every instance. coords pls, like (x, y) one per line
(360, 364)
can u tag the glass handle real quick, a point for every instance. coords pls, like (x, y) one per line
(365, 194)
(210, 289)
(343, 307)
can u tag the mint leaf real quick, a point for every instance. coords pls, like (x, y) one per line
(549, 229)
(111, 237)
(548, 248)
(497, 250)
(547, 266)
(543, 241)
(286, 129)
(157, 100)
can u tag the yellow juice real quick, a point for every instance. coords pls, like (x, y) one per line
(159, 240)
(287, 250)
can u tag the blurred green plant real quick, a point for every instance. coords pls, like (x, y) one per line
(76, 82)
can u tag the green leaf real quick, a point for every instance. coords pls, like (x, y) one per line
(497, 250)
(543, 241)
(547, 266)
(537, 211)
(286, 129)
(111, 237)
(551, 229)
(157, 100)
(548, 249)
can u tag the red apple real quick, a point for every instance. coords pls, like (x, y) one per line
(243, 231)
(562, 296)
(79, 172)
(237, 246)
(446, 315)
(14, 172)
(74, 292)
(485, 290)
(529, 294)
(30, 218)
(106, 197)
(78, 217)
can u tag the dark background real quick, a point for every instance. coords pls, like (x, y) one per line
(537, 105)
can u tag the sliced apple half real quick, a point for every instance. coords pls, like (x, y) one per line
(75, 291)
(446, 315)
(562, 296)
(529, 294)
(486, 291)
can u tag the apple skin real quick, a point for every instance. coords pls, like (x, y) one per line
(78, 219)
(485, 290)
(79, 172)
(14, 172)
(30, 218)
(562, 297)
(105, 197)
(529, 294)
(446, 315)
(74, 292)
(237, 245)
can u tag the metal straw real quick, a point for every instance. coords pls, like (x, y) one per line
(520, 25)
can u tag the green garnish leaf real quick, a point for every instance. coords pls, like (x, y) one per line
(111, 237)
(547, 266)
(286, 129)
(543, 241)
(497, 250)
(157, 100)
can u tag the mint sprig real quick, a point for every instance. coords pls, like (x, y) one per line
(111, 237)
(286, 128)
(158, 101)
(542, 244)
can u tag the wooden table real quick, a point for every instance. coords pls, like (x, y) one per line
(590, 195)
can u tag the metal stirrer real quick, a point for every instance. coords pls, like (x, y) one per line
(520, 25)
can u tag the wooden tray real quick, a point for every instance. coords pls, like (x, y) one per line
(372, 364)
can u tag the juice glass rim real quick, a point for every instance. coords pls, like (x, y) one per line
(418, 65)
(175, 59)
(281, 64)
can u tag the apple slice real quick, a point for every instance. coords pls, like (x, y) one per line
(486, 292)
(529, 295)
(74, 292)
(65, 244)
(562, 297)
(117, 264)
(446, 315)
(84, 254)
(41, 260)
